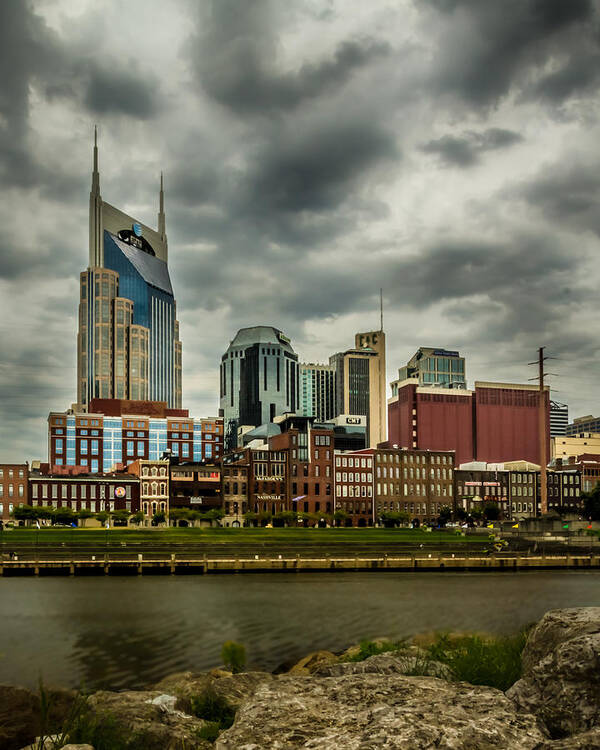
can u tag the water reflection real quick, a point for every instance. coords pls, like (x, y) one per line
(123, 632)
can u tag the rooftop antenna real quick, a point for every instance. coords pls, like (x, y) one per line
(381, 309)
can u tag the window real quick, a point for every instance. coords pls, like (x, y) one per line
(94, 447)
(83, 447)
(130, 447)
(59, 445)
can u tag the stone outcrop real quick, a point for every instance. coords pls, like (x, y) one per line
(149, 717)
(234, 688)
(313, 662)
(371, 710)
(561, 672)
(412, 661)
(584, 741)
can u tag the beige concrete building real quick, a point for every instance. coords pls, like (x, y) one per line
(565, 446)
(128, 343)
(361, 383)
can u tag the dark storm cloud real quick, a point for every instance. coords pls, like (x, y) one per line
(235, 57)
(485, 48)
(465, 150)
(32, 55)
(567, 192)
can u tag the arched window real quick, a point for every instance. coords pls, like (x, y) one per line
(154, 471)
(163, 488)
(154, 488)
(163, 471)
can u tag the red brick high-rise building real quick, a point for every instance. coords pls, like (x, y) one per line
(495, 422)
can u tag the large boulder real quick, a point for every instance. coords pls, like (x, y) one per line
(372, 711)
(412, 661)
(148, 717)
(234, 688)
(561, 671)
(312, 662)
(21, 715)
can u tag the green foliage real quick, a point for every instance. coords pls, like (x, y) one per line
(481, 661)
(591, 503)
(371, 648)
(24, 513)
(158, 518)
(210, 731)
(284, 517)
(103, 733)
(234, 656)
(394, 518)
(102, 516)
(491, 511)
(215, 710)
(137, 517)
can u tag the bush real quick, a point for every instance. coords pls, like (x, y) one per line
(215, 710)
(234, 656)
(371, 648)
(481, 661)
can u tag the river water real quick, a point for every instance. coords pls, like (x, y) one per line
(130, 632)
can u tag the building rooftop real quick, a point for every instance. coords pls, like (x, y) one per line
(261, 335)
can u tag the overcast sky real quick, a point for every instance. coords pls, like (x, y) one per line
(313, 151)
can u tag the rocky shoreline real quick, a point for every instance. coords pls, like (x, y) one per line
(390, 700)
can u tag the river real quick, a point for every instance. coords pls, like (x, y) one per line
(130, 632)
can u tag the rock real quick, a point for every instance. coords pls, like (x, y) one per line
(561, 672)
(313, 661)
(234, 688)
(20, 714)
(77, 747)
(372, 711)
(410, 662)
(585, 741)
(150, 717)
(354, 650)
(49, 743)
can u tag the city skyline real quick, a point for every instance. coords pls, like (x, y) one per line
(315, 142)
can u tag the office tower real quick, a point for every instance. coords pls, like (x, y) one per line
(317, 391)
(259, 379)
(360, 383)
(559, 418)
(435, 367)
(128, 343)
(584, 426)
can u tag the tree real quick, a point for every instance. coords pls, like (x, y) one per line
(340, 517)
(460, 514)
(491, 511)
(102, 516)
(445, 515)
(137, 517)
(476, 514)
(120, 517)
(178, 514)
(284, 518)
(83, 515)
(158, 518)
(391, 518)
(64, 515)
(24, 513)
(591, 503)
(250, 518)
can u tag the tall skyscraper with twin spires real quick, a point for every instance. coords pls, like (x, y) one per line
(128, 343)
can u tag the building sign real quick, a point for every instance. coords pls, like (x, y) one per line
(491, 484)
(137, 230)
(444, 353)
(195, 501)
(269, 479)
(284, 339)
(368, 339)
(269, 497)
(353, 420)
(472, 484)
(119, 491)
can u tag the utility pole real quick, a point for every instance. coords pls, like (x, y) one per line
(542, 431)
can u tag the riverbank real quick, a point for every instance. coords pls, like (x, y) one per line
(532, 691)
(180, 564)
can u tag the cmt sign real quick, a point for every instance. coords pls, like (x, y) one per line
(368, 339)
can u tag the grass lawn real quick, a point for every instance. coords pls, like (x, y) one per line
(238, 536)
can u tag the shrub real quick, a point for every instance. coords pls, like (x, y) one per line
(234, 656)
(215, 710)
(481, 661)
